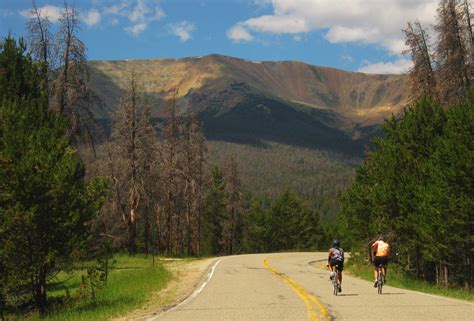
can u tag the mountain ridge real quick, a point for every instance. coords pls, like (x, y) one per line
(238, 97)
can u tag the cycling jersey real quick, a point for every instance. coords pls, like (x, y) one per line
(381, 248)
(337, 254)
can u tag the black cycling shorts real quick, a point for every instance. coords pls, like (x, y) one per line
(380, 260)
(338, 263)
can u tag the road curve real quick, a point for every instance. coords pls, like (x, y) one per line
(284, 286)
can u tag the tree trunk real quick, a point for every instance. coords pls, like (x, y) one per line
(132, 233)
(445, 276)
(146, 232)
(40, 296)
(437, 274)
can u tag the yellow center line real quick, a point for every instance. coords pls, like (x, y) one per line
(301, 292)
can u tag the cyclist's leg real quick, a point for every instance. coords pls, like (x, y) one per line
(331, 269)
(339, 274)
(376, 270)
(384, 267)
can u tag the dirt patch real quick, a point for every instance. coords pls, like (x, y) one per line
(186, 275)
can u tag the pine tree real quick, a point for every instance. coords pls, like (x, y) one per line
(44, 200)
(232, 225)
(213, 219)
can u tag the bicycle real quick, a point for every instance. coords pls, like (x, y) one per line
(335, 280)
(380, 279)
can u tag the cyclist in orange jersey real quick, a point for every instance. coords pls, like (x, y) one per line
(381, 251)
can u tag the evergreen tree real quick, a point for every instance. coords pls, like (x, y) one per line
(44, 202)
(213, 219)
(416, 187)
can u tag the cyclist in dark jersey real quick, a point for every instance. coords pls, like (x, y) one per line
(336, 258)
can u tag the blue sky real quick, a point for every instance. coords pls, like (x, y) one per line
(356, 35)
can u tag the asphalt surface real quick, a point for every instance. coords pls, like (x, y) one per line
(285, 286)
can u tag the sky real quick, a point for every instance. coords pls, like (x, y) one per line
(354, 35)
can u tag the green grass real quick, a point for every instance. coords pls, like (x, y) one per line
(399, 279)
(131, 281)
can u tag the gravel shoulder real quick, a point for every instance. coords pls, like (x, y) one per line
(186, 275)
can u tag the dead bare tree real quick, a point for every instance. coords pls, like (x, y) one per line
(168, 217)
(65, 64)
(422, 77)
(452, 52)
(133, 141)
(469, 39)
(41, 40)
(193, 159)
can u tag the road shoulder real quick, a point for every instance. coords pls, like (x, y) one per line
(186, 276)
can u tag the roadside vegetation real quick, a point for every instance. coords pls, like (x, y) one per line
(400, 279)
(131, 281)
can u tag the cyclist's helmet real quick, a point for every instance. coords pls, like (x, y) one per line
(382, 238)
(336, 243)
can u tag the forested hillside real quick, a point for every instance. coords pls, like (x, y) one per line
(273, 168)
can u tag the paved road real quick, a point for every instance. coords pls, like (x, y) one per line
(286, 287)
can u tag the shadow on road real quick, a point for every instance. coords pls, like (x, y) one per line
(348, 294)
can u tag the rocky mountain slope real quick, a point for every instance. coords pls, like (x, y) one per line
(241, 100)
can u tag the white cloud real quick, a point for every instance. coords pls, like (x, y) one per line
(91, 18)
(182, 30)
(136, 29)
(376, 22)
(139, 13)
(277, 24)
(159, 13)
(52, 12)
(116, 9)
(399, 66)
(239, 34)
(340, 34)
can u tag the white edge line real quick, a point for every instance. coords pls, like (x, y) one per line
(195, 293)
(411, 291)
